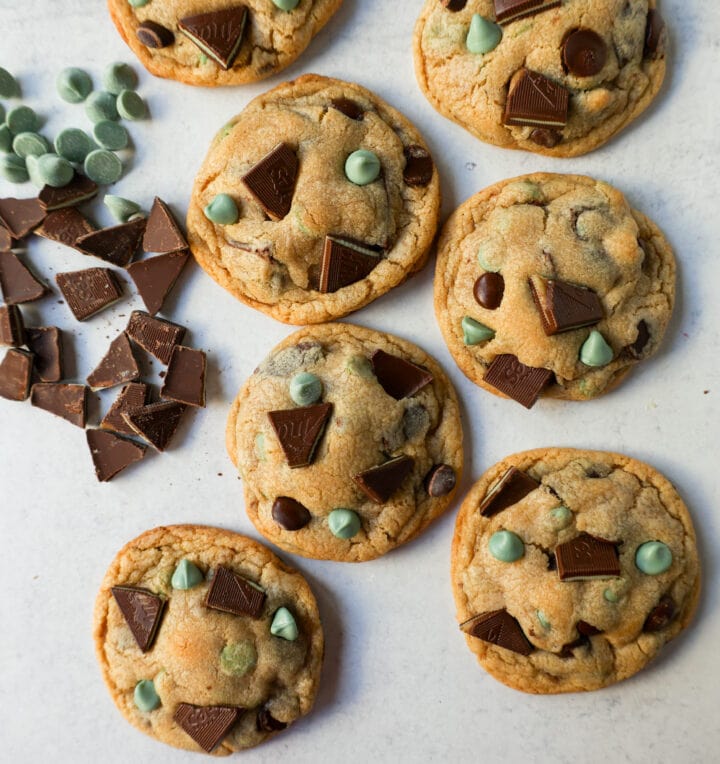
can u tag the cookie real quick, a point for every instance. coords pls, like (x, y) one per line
(219, 42)
(556, 78)
(206, 640)
(571, 569)
(315, 200)
(551, 285)
(348, 441)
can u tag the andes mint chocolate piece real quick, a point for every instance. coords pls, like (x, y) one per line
(154, 35)
(653, 34)
(63, 400)
(272, 180)
(489, 289)
(266, 722)
(584, 52)
(111, 454)
(535, 100)
(46, 343)
(5, 239)
(156, 423)
(185, 378)
(142, 611)
(454, 5)
(12, 330)
(586, 556)
(208, 726)
(661, 615)
(20, 216)
(418, 166)
(79, 189)
(15, 374)
(156, 276)
(117, 244)
(440, 480)
(89, 291)
(564, 306)
(133, 396)
(643, 335)
(587, 629)
(344, 263)
(65, 226)
(507, 11)
(219, 34)
(17, 283)
(546, 137)
(519, 382)
(289, 514)
(348, 107)
(232, 593)
(156, 336)
(117, 367)
(398, 377)
(512, 487)
(162, 233)
(379, 483)
(499, 628)
(299, 431)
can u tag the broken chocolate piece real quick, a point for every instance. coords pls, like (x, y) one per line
(266, 722)
(567, 649)
(12, 330)
(5, 239)
(15, 374)
(79, 189)
(587, 629)
(661, 615)
(17, 282)
(156, 423)
(185, 378)
(208, 726)
(643, 335)
(299, 431)
(399, 378)
(440, 480)
(142, 611)
(156, 276)
(218, 34)
(65, 226)
(272, 180)
(46, 343)
(507, 11)
(162, 233)
(584, 52)
(519, 382)
(154, 35)
(63, 400)
(586, 556)
(512, 487)
(348, 107)
(156, 336)
(117, 367)
(289, 514)
(20, 216)
(117, 244)
(454, 5)
(379, 483)
(418, 166)
(499, 628)
(489, 289)
(111, 454)
(89, 291)
(133, 396)
(564, 306)
(344, 263)
(654, 37)
(535, 100)
(232, 593)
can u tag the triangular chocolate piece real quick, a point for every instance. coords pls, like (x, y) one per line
(65, 226)
(156, 423)
(299, 431)
(117, 244)
(133, 396)
(15, 374)
(507, 11)
(208, 726)
(219, 34)
(587, 556)
(344, 263)
(533, 99)
(46, 343)
(234, 594)
(5, 239)
(142, 611)
(17, 283)
(519, 382)
(398, 377)
(564, 306)
(12, 328)
(89, 291)
(156, 276)
(499, 628)
(117, 367)
(512, 487)
(272, 180)
(78, 190)
(63, 400)
(155, 335)
(111, 454)
(185, 377)
(20, 216)
(162, 233)
(379, 483)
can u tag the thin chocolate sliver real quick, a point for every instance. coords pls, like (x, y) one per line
(299, 431)
(12, 329)
(133, 396)
(208, 726)
(155, 277)
(379, 483)
(564, 306)
(17, 282)
(154, 35)
(20, 216)
(399, 378)
(519, 382)
(266, 722)
(111, 454)
(272, 180)
(344, 263)
(185, 377)
(117, 367)
(156, 423)
(441, 480)
(499, 628)
(89, 291)
(156, 336)
(586, 556)
(162, 233)
(348, 107)
(117, 244)
(15, 374)
(512, 487)
(507, 11)
(5, 239)
(535, 100)
(289, 514)
(234, 594)
(65, 226)
(418, 166)
(661, 615)
(78, 190)
(46, 343)
(64, 400)
(142, 611)
(219, 34)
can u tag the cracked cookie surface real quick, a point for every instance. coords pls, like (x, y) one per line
(569, 229)
(367, 427)
(618, 70)
(201, 655)
(592, 628)
(276, 265)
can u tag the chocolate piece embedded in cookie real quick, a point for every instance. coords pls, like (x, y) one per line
(153, 35)
(142, 611)
(533, 99)
(383, 480)
(218, 34)
(512, 487)
(208, 726)
(518, 381)
(299, 431)
(507, 11)
(564, 306)
(398, 377)
(89, 291)
(586, 557)
(344, 263)
(499, 628)
(272, 180)
(234, 594)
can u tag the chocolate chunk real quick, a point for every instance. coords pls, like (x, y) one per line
(440, 480)
(156, 336)
(344, 263)
(348, 107)
(266, 722)
(399, 378)
(567, 649)
(111, 454)
(142, 611)
(89, 291)
(289, 514)
(546, 137)
(156, 276)
(499, 628)
(185, 378)
(79, 189)
(654, 37)
(272, 180)
(415, 421)
(156, 423)
(584, 52)
(535, 100)
(208, 726)
(643, 335)
(5, 239)
(219, 34)
(587, 629)
(232, 593)
(63, 400)
(564, 306)
(454, 5)
(418, 166)
(489, 290)
(512, 487)
(17, 282)
(154, 35)
(507, 11)
(117, 367)
(379, 483)
(15, 374)
(64, 226)
(586, 556)
(162, 233)
(133, 396)
(46, 343)
(519, 382)
(117, 244)
(299, 431)
(661, 615)
(12, 329)
(20, 216)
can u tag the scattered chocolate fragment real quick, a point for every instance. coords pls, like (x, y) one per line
(133, 396)
(535, 100)
(117, 244)
(380, 482)
(117, 367)
(65, 226)
(348, 107)
(272, 180)
(89, 291)
(63, 400)
(20, 216)
(156, 336)
(156, 276)
(454, 5)
(232, 593)
(398, 377)
(643, 335)
(111, 454)
(587, 629)
(440, 480)
(499, 628)
(418, 166)
(185, 378)
(489, 289)
(17, 282)
(299, 431)
(289, 514)
(512, 487)
(546, 137)
(79, 189)
(519, 382)
(154, 35)
(142, 611)
(5, 239)
(661, 615)
(584, 52)
(208, 726)
(15, 374)
(162, 233)
(343, 263)
(564, 306)
(46, 343)
(12, 330)
(266, 722)
(507, 11)
(219, 34)
(586, 556)
(156, 423)
(654, 34)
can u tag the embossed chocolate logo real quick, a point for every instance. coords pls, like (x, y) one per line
(299, 431)
(272, 181)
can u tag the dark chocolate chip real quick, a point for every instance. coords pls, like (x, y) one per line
(535, 100)
(586, 556)
(415, 421)
(587, 629)
(15, 374)
(643, 336)
(272, 180)
(299, 431)
(142, 611)
(519, 382)
(454, 5)
(545, 136)
(661, 615)
(232, 593)
(219, 34)
(156, 423)
(584, 52)
(418, 166)
(185, 378)
(289, 514)
(89, 291)
(63, 400)
(266, 722)
(440, 481)
(380, 482)
(154, 335)
(398, 377)
(489, 289)
(208, 726)
(654, 34)
(154, 35)
(349, 108)
(513, 486)
(499, 628)
(111, 454)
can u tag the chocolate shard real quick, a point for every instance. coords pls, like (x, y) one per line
(142, 611)
(289, 514)
(156, 423)
(185, 378)
(519, 382)
(512, 487)
(418, 166)
(507, 11)
(12, 328)
(156, 336)
(154, 35)
(535, 100)
(133, 396)
(63, 400)
(78, 190)
(5, 239)
(399, 378)
(564, 306)
(89, 291)
(586, 556)
(266, 722)
(117, 244)
(344, 263)
(162, 233)
(156, 276)
(272, 180)
(111, 454)
(232, 593)
(65, 226)
(499, 628)
(567, 649)
(219, 34)
(20, 216)
(46, 343)
(208, 726)
(348, 107)
(441, 480)
(299, 431)
(587, 629)
(117, 367)
(379, 483)
(661, 615)
(15, 374)
(17, 282)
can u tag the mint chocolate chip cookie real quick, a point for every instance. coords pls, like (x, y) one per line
(206, 640)
(348, 441)
(571, 569)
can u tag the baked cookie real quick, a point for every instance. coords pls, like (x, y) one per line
(348, 441)
(571, 569)
(206, 640)
(219, 42)
(315, 200)
(556, 78)
(551, 285)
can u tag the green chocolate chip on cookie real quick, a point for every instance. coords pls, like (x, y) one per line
(483, 35)
(362, 167)
(283, 625)
(344, 523)
(474, 332)
(73, 85)
(145, 695)
(222, 210)
(238, 658)
(611, 596)
(542, 619)
(561, 516)
(595, 351)
(506, 546)
(186, 575)
(286, 5)
(305, 388)
(653, 558)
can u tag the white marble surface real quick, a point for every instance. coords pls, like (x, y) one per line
(399, 684)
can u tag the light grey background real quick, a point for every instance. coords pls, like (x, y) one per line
(399, 684)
